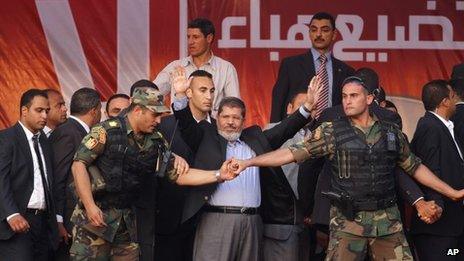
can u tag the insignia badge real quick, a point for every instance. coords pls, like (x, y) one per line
(101, 136)
(113, 123)
(91, 143)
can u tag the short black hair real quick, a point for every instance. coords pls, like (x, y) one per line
(232, 102)
(458, 86)
(50, 90)
(324, 15)
(142, 83)
(433, 93)
(29, 95)
(201, 73)
(115, 96)
(206, 26)
(83, 100)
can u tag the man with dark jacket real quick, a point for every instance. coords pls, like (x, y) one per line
(434, 142)
(227, 210)
(28, 227)
(296, 71)
(85, 112)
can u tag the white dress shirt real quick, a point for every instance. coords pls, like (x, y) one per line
(224, 77)
(37, 200)
(84, 125)
(450, 125)
(47, 131)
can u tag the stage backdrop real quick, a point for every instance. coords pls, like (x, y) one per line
(108, 44)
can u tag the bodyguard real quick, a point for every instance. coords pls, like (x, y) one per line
(127, 152)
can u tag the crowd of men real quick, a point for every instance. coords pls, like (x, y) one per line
(332, 176)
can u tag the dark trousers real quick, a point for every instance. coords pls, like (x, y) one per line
(146, 232)
(177, 246)
(436, 248)
(62, 253)
(32, 245)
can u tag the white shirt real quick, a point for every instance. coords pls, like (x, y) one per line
(224, 77)
(47, 131)
(84, 125)
(450, 125)
(37, 200)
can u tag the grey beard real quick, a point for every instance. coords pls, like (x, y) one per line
(230, 136)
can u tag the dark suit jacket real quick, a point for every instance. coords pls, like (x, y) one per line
(294, 75)
(17, 178)
(458, 71)
(458, 120)
(210, 153)
(433, 143)
(408, 189)
(65, 140)
(171, 196)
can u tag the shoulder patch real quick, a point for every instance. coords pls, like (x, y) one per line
(113, 123)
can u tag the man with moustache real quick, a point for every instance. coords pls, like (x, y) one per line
(296, 71)
(229, 227)
(57, 114)
(200, 37)
(28, 228)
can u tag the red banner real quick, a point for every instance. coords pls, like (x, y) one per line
(108, 44)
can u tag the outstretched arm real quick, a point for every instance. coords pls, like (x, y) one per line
(271, 159)
(197, 177)
(424, 176)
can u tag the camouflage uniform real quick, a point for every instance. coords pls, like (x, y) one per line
(378, 232)
(118, 239)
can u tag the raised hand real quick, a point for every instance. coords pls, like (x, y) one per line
(179, 81)
(313, 93)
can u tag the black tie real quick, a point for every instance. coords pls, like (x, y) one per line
(35, 140)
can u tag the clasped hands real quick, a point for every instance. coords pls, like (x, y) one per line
(428, 211)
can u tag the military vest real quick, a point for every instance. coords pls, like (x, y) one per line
(123, 166)
(365, 172)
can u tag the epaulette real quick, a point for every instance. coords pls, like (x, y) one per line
(112, 123)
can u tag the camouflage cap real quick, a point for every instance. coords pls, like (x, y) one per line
(150, 98)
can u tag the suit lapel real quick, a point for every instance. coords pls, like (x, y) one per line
(24, 146)
(78, 127)
(337, 79)
(308, 65)
(252, 141)
(445, 130)
(48, 161)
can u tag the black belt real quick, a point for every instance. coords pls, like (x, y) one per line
(35, 211)
(374, 205)
(230, 210)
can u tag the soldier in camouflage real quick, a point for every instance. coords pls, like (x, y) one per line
(112, 163)
(363, 152)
